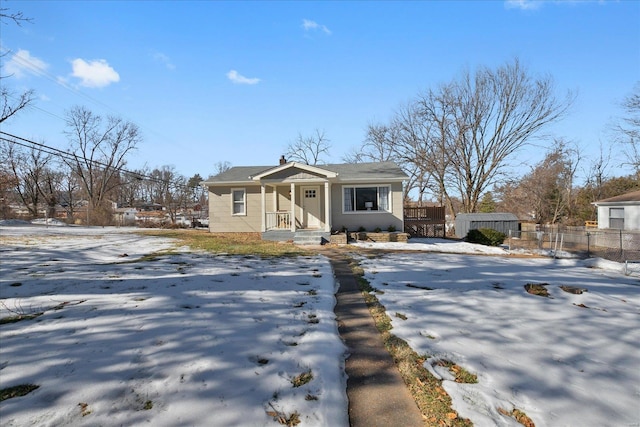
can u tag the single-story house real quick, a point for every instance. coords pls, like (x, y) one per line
(620, 212)
(291, 199)
(502, 222)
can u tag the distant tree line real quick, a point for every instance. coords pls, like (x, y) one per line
(90, 176)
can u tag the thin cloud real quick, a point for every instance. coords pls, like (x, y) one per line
(96, 73)
(523, 4)
(538, 4)
(163, 59)
(310, 25)
(22, 63)
(238, 78)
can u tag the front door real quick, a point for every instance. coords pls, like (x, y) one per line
(311, 207)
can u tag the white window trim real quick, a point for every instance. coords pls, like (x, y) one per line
(616, 215)
(378, 186)
(244, 202)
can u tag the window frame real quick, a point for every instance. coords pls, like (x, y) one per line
(354, 188)
(234, 202)
(616, 218)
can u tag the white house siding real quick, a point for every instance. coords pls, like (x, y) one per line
(368, 220)
(631, 216)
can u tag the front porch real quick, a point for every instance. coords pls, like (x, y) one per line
(290, 207)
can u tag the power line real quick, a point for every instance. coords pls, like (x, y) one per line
(65, 155)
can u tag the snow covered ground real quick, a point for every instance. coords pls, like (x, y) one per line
(190, 339)
(565, 360)
(200, 339)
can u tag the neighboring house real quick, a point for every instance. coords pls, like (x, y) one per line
(152, 217)
(125, 216)
(502, 222)
(620, 212)
(281, 201)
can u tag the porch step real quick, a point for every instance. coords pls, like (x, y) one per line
(311, 237)
(277, 235)
(301, 237)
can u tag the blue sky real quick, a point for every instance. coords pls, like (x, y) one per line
(211, 81)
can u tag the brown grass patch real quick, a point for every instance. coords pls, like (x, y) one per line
(539, 289)
(519, 416)
(229, 243)
(461, 374)
(302, 379)
(17, 391)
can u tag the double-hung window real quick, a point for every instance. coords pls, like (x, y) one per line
(616, 218)
(238, 201)
(366, 199)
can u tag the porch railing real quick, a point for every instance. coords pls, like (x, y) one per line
(279, 220)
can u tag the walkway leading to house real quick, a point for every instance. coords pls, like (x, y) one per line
(377, 394)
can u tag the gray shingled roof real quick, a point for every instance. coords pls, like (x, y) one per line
(633, 196)
(346, 172)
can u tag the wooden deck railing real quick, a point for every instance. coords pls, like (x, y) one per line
(425, 221)
(424, 213)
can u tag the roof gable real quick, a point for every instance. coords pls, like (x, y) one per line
(312, 170)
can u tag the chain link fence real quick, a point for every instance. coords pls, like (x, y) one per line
(613, 245)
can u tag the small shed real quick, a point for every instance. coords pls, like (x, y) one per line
(502, 222)
(621, 212)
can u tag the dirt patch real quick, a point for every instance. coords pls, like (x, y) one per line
(573, 289)
(539, 289)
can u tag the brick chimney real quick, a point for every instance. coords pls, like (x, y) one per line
(282, 160)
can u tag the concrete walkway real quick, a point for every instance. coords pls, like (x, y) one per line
(377, 394)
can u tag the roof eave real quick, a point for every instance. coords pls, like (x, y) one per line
(225, 183)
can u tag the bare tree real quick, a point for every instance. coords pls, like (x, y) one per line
(597, 173)
(309, 149)
(7, 186)
(496, 113)
(131, 193)
(546, 194)
(458, 139)
(628, 129)
(170, 189)
(33, 178)
(221, 167)
(12, 103)
(70, 188)
(17, 17)
(99, 149)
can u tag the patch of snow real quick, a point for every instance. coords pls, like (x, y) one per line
(49, 221)
(569, 359)
(186, 339)
(202, 339)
